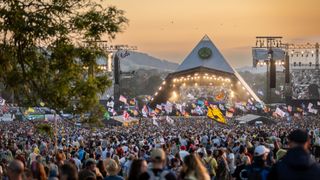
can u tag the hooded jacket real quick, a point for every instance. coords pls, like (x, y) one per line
(297, 164)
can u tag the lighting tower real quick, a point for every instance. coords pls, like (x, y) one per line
(115, 54)
(268, 49)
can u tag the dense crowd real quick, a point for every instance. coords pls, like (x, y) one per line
(190, 148)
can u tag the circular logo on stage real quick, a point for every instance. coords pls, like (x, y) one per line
(204, 53)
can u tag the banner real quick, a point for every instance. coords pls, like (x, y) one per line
(169, 120)
(123, 99)
(280, 112)
(215, 114)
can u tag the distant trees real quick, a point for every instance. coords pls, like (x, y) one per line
(42, 56)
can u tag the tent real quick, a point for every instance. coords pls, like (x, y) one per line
(205, 66)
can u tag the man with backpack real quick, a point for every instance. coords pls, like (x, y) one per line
(157, 172)
(210, 164)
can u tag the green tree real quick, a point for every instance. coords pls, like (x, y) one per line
(43, 57)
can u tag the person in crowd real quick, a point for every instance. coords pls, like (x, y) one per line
(211, 164)
(68, 172)
(138, 167)
(193, 169)
(113, 170)
(223, 171)
(297, 163)
(158, 158)
(183, 152)
(15, 170)
(258, 169)
(102, 168)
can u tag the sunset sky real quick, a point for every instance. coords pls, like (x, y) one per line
(169, 29)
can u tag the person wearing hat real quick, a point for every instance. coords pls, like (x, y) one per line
(258, 169)
(297, 163)
(158, 158)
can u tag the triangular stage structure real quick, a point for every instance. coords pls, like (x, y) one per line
(207, 73)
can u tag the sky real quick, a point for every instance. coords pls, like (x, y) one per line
(170, 29)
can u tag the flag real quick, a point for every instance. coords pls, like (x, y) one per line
(145, 111)
(169, 120)
(159, 107)
(126, 115)
(221, 107)
(314, 111)
(277, 92)
(280, 112)
(30, 110)
(215, 114)
(318, 103)
(310, 105)
(168, 107)
(106, 115)
(200, 103)
(220, 96)
(299, 110)
(199, 110)
(154, 121)
(229, 114)
(132, 102)
(123, 99)
(42, 104)
(135, 112)
(2, 101)
(260, 92)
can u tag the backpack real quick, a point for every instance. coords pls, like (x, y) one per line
(255, 173)
(208, 165)
(162, 175)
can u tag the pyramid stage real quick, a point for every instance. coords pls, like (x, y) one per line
(206, 75)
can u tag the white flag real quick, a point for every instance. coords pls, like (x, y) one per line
(2, 101)
(280, 112)
(310, 105)
(169, 120)
(154, 121)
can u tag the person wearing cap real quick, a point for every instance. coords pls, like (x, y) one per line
(258, 169)
(297, 163)
(158, 158)
(183, 152)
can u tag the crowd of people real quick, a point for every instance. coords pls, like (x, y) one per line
(189, 148)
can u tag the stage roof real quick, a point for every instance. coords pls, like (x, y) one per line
(216, 60)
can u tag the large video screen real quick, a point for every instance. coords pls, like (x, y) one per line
(305, 84)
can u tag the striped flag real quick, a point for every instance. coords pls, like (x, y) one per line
(123, 99)
(2, 101)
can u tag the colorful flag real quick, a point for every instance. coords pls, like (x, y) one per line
(145, 111)
(221, 107)
(126, 115)
(123, 99)
(106, 115)
(215, 114)
(229, 114)
(132, 102)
